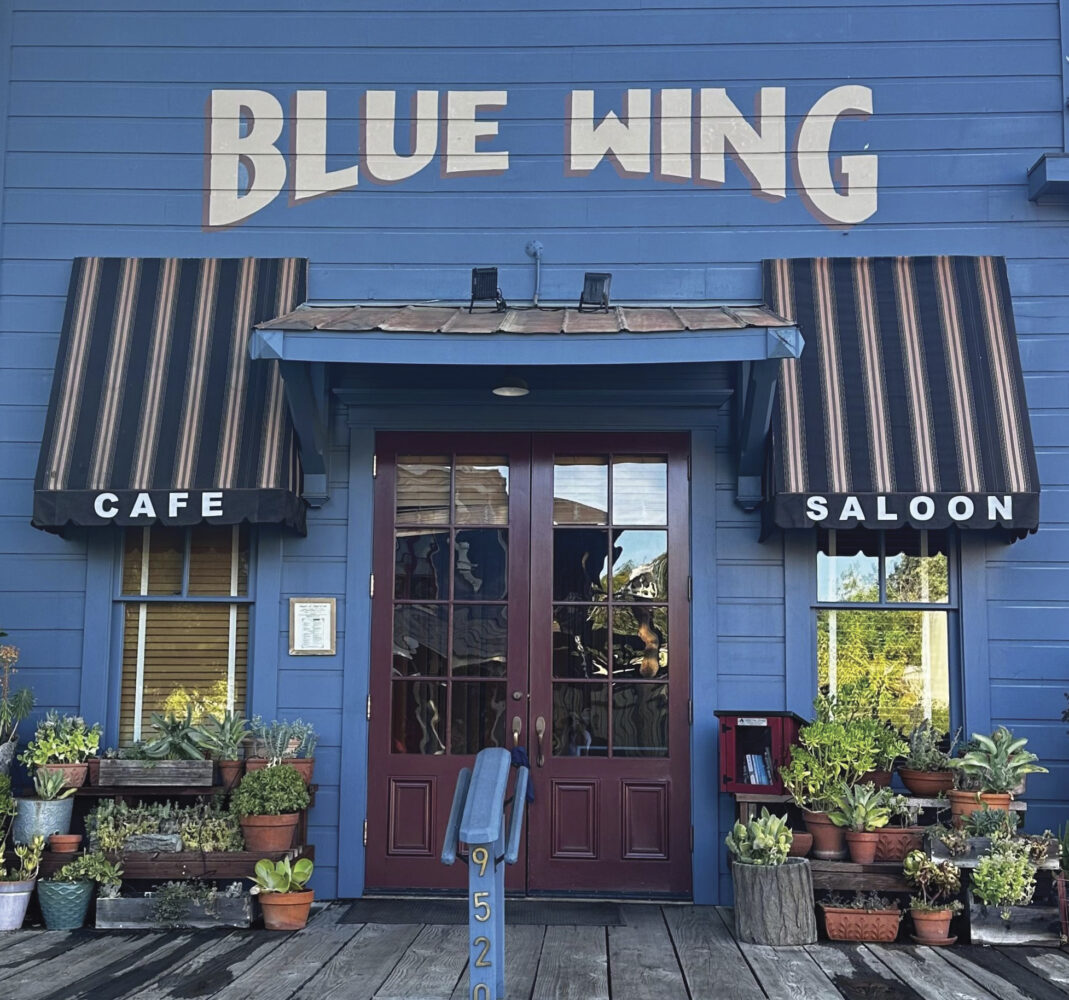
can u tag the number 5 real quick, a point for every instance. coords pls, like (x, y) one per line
(479, 903)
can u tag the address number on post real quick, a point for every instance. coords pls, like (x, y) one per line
(480, 903)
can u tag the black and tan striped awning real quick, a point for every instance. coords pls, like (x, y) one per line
(907, 406)
(157, 413)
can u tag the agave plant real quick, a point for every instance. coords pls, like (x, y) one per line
(51, 785)
(997, 763)
(862, 808)
(177, 738)
(222, 737)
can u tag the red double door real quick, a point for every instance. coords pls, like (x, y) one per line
(531, 590)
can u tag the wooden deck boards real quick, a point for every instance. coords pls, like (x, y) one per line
(661, 952)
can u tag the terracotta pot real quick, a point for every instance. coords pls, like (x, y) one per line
(286, 911)
(881, 779)
(844, 923)
(93, 770)
(269, 833)
(964, 804)
(230, 772)
(931, 925)
(73, 774)
(829, 843)
(801, 844)
(897, 841)
(927, 784)
(304, 766)
(64, 843)
(862, 846)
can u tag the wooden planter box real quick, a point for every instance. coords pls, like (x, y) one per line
(1028, 925)
(157, 772)
(847, 923)
(137, 914)
(978, 847)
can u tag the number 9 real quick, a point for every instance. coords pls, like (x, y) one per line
(481, 857)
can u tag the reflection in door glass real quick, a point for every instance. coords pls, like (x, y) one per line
(422, 489)
(640, 490)
(421, 565)
(418, 719)
(580, 564)
(481, 571)
(639, 642)
(480, 640)
(478, 716)
(482, 490)
(419, 639)
(580, 641)
(580, 720)
(580, 489)
(640, 566)
(640, 720)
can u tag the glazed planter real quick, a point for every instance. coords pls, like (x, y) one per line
(931, 925)
(138, 913)
(230, 772)
(881, 779)
(964, 804)
(73, 774)
(829, 843)
(774, 903)
(286, 911)
(64, 904)
(269, 833)
(927, 784)
(897, 841)
(801, 844)
(64, 843)
(1027, 925)
(862, 846)
(846, 923)
(304, 766)
(14, 898)
(38, 816)
(157, 772)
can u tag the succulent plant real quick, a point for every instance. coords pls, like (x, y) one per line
(763, 841)
(997, 763)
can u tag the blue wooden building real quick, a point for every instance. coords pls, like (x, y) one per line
(774, 366)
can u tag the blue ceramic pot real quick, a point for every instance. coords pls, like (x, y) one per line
(64, 904)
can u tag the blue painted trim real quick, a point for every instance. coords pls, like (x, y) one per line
(352, 807)
(799, 596)
(95, 698)
(266, 576)
(692, 347)
(1063, 16)
(704, 757)
(975, 657)
(1049, 175)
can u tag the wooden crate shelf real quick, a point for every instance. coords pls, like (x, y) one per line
(845, 876)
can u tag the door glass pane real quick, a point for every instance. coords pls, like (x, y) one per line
(419, 639)
(580, 564)
(639, 642)
(482, 490)
(848, 566)
(418, 721)
(640, 720)
(423, 489)
(580, 720)
(917, 566)
(581, 489)
(640, 490)
(640, 566)
(421, 565)
(478, 716)
(480, 640)
(481, 571)
(580, 641)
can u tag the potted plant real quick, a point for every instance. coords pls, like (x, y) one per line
(63, 743)
(937, 884)
(861, 810)
(16, 884)
(173, 756)
(289, 743)
(988, 772)
(925, 767)
(14, 706)
(190, 903)
(282, 893)
(267, 802)
(902, 834)
(222, 738)
(64, 843)
(1000, 894)
(65, 896)
(801, 843)
(48, 813)
(773, 891)
(883, 746)
(867, 917)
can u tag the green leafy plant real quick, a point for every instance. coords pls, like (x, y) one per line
(7, 810)
(925, 748)
(91, 867)
(955, 839)
(222, 736)
(271, 791)
(995, 823)
(997, 763)
(171, 901)
(1004, 878)
(937, 882)
(61, 739)
(203, 826)
(880, 740)
(29, 861)
(14, 706)
(51, 785)
(282, 740)
(765, 840)
(825, 760)
(903, 811)
(1039, 845)
(207, 827)
(862, 808)
(177, 738)
(868, 901)
(281, 876)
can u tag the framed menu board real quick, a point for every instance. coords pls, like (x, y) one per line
(313, 626)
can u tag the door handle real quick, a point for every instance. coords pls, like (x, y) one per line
(540, 731)
(517, 728)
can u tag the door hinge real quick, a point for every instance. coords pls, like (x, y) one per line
(691, 836)
(371, 585)
(369, 708)
(374, 466)
(690, 710)
(690, 588)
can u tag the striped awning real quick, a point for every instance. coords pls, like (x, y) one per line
(157, 414)
(907, 405)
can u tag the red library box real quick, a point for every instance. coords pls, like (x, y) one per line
(753, 747)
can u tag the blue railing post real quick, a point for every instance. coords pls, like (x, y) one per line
(477, 819)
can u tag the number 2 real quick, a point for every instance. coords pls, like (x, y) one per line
(480, 902)
(481, 962)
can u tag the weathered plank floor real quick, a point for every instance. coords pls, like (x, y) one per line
(668, 952)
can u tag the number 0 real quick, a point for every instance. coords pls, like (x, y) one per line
(480, 992)
(480, 902)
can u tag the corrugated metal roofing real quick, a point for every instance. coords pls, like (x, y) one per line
(425, 318)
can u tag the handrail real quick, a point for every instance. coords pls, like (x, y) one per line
(483, 818)
(452, 828)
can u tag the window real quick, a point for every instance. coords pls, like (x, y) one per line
(185, 596)
(883, 607)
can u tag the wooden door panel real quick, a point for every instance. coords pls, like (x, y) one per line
(411, 820)
(574, 819)
(644, 820)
